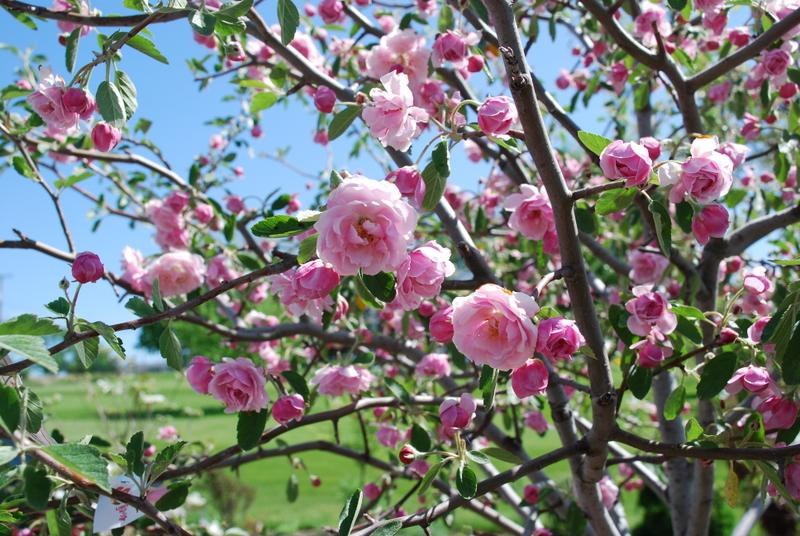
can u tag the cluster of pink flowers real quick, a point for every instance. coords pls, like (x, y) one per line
(758, 289)
(60, 107)
(168, 217)
(334, 380)
(177, 272)
(401, 51)
(391, 115)
(237, 383)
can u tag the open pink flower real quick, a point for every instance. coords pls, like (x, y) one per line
(409, 181)
(392, 116)
(433, 366)
(643, 24)
(239, 384)
(559, 338)
(421, 275)
(367, 226)
(706, 176)
(496, 115)
(47, 101)
(711, 221)
(296, 300)
(389, 436)
(650, 354)
(315, 279)
(530, 379)
(626, 160)
(334, 380)
(401, 51)
(532, 214)
(133, 268)
(199, 373)
(779, 413)
(178, 272)
(752, 379)
(650, 312)
(493, 326)
(646, 267)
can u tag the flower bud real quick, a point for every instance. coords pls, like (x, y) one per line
(105, 136)
(87, 268)
(407, 454)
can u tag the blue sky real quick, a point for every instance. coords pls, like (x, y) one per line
(170, 98)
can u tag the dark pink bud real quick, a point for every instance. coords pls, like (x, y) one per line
(87, 268)
(325, 99)
(105, 136)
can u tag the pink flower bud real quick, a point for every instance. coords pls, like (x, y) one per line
(315, 279)
(531, 494)
(235, 204)
(475, 63)
(288, 408)
(779, 413)
(457, 413)
(496, 115)
(652, 145)
(626, 160)
(203, 213)
(256, 131)
(105, 136)
(564, 80)
(407, 454)
(711, 221)
(727, 336)
(324, 99)
(371, 491)
(199, 373)
(788, 90)
(441, 325)
(87, 268)
(558, 338)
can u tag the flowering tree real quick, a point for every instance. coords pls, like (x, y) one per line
(610, 284)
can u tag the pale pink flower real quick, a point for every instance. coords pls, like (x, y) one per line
(493, 326)
(219, 271)
(618, 74)
(646, 267)
(133, 267)
(367, 226)
(433, 366)
(626, 160)
(334, 380)
(391, 115)
(295, 299)
(530, 379)
(441, 325)
(389, 436)
(199, 373)
(779, 413)
(170, 225)
(47, 101)
(643, 24)
(401, 51)
(167, 433)
(609, 492)
(536, 421)
(752, 379)
(558, 338)
(496, 115)
(239, 384)
(69, 27)
(650, 354)
(650, 311)
(421, 275)
(532, 214)
(178, 272)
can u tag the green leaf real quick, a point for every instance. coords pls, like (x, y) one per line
(364, 293)
(71, 49)
(134, 452)
(435, 186)
(128, 93)
(420, 439)
(342, 120)
(29, 324)
(227, 26)
(87, 350)
(466, 482)
(687, 311)
(298, 383)
(689, 329)
(30, 347)
(349, 514)
(289, 20)
(683, 215)
(307, 249)
(446, 18)
(617, 316)
(84, 460)
(202, 22)
(593, 142)
(292, 488)
(663, 225)
(790, 366)
(59, 522)
(585, 218)
(786, 262)
(488, 385)
(7, 454)
(250, 427)
(73, 179)
(501, 454)
(614, 200)
(262, 100)
(139, 307)
(164, 458)
(59, 306)
(147, 47)
(674, 403)
(170, 348)
(380, 285)
(280, 227)
(22, 167)
(693, 430)
(398, 390)
(10, 407)
(392, 527)
(715, 375)
(429, 477)
(640, 382)
(108, 334)
(37, 486)
(335, 179)
(677, 5)
(110, 103)
(236, 9)
(440, 157)
(477, 456)
(175, 497)
(33, 410)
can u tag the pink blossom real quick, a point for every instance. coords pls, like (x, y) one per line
(564, 79)
(170, 225)
(389, 436)
(758, 289)
(295, 298)
(288, 408)
(409, 181)
(779, 413)
(751, 129)
(530, 494)
(708, 6)
(457, 413)
(69, 27)
(706, 176)
(496, 115)
(47, 101)
(168, 433)
(609, 492)
(619, 77)
(391, 115)
(559, 338)
(643, 24)
(735, 151)
(536, 421)
(235, 204)
(178, 272)
(473, 151)
(366, 226)
(646, 267)
(651, 355)
(334, 380)
(739, 36)
(324, 99)
(430, 96)
(532, 214)
(433, 366)
(203, 213)
(652, 145)
(199, 373)
(492, 326)
(315, 279)
(775, 62)
(401, 51)
(331, 11)
(421, 275)
(441, 325)
(78, 101)
(87, 268)
(321, 137)
(530, 379)
(371, 491)
(719, 93)
(756, 330)
(452, 47)
(750, 378)
(238, 384)
(626, 160)
(475, 63)
(650, 311)
(711, 221)
(133, 268)
(716, 22)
